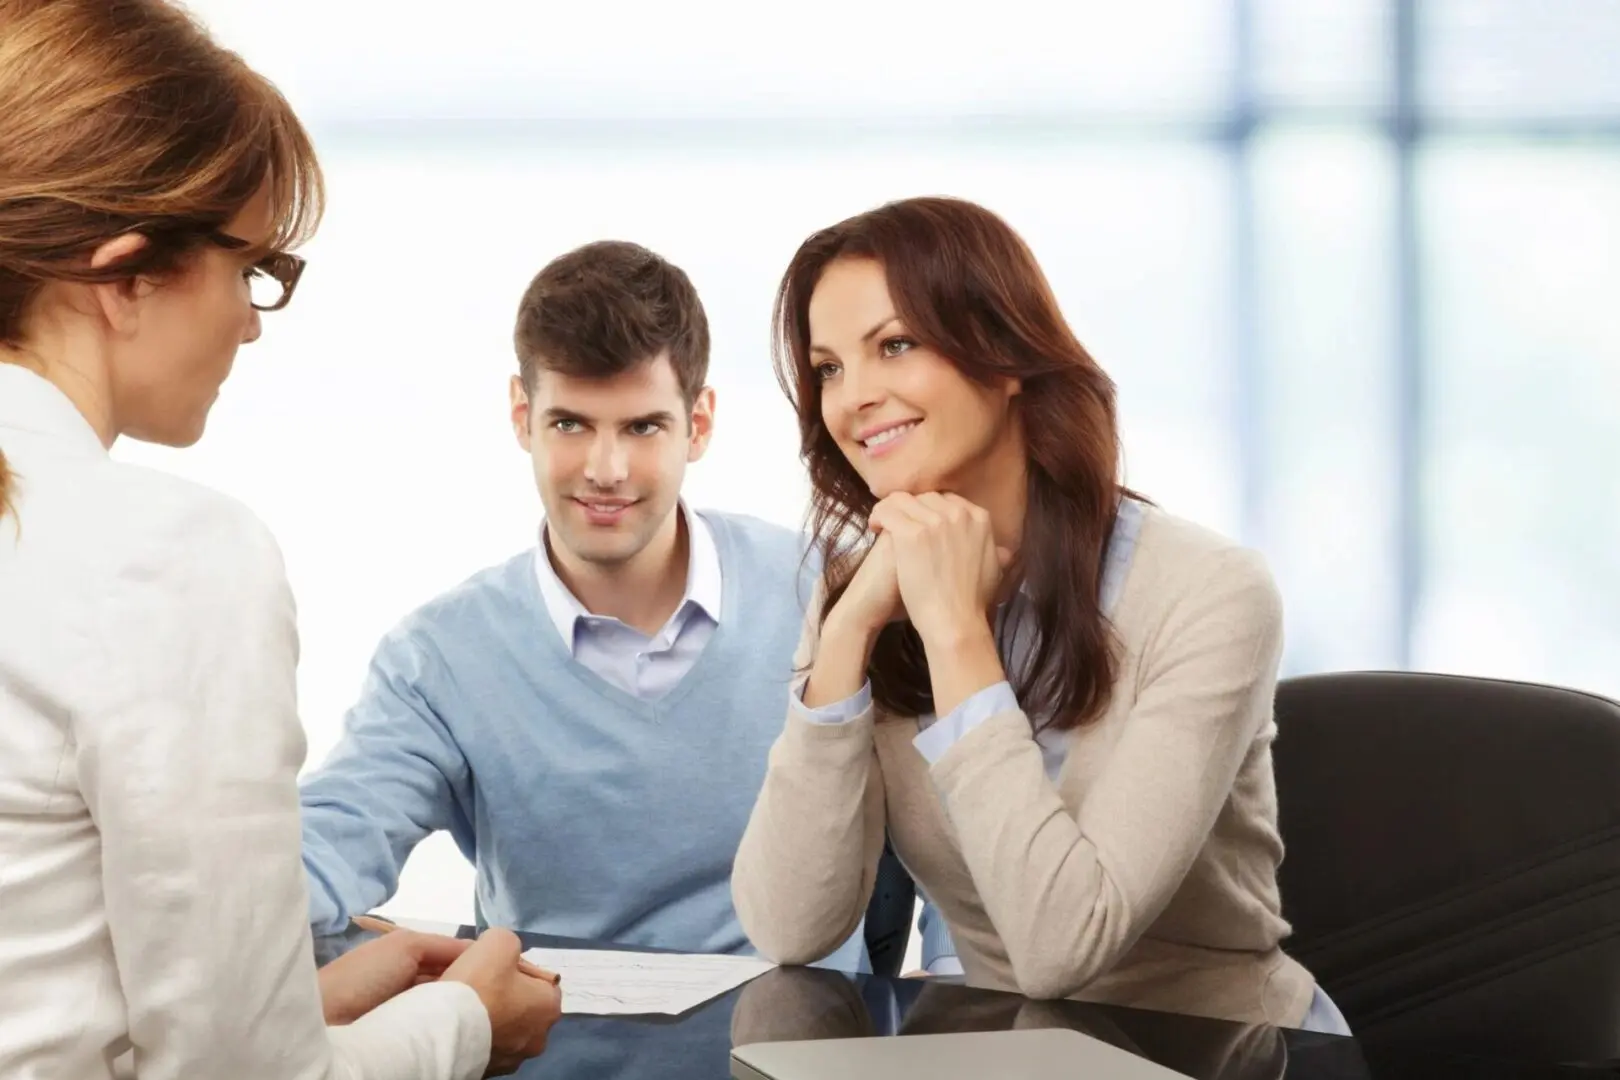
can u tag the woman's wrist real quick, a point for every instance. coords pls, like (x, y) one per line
(965, 632)
(962, 660)
(842, 655)
(850, 631)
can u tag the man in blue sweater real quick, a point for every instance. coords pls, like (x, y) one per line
(590, 719)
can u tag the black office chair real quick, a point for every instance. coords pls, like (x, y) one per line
(1453, 860)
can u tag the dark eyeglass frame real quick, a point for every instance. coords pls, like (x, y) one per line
(280, 266)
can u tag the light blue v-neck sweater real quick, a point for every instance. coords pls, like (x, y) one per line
(587, 811)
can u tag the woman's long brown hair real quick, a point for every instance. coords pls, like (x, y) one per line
(967, 285)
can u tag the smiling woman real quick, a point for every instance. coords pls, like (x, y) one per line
(1025, 657)
(940, 361)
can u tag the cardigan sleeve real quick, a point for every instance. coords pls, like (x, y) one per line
(808, 860)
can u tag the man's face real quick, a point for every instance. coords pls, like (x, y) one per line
(610, 454)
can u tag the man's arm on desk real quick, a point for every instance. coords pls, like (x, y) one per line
(397, 776)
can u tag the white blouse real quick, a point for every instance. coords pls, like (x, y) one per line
(154, 921)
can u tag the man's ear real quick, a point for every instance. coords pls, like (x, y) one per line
(117, 300)
(520, 411)
(701, 424)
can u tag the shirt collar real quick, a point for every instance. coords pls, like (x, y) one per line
(31, 403)
(704, 580)
(704, 584)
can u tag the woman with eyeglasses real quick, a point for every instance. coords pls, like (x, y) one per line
(153, 907)
(1051, 696)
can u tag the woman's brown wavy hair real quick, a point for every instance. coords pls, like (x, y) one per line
(966, 285)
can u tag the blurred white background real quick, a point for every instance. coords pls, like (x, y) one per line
(1353, 263)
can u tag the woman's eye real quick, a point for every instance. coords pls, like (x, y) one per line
(895, 346)
(825, 370)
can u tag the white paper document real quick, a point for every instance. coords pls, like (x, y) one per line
(603, 983)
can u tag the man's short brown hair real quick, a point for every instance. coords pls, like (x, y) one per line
(604, 308)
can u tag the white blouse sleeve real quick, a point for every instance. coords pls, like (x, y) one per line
(188, 761)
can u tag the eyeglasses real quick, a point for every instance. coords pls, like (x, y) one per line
(272, 279)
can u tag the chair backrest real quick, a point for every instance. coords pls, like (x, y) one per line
(1453, 860)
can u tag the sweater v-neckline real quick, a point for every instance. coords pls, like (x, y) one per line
(651, 709)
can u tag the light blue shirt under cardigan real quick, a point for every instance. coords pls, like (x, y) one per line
(1015, 628)
(588, 811)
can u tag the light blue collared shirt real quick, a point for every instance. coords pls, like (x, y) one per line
(1016, 631)
(645, 666)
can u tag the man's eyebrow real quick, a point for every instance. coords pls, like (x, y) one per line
(662, 416)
